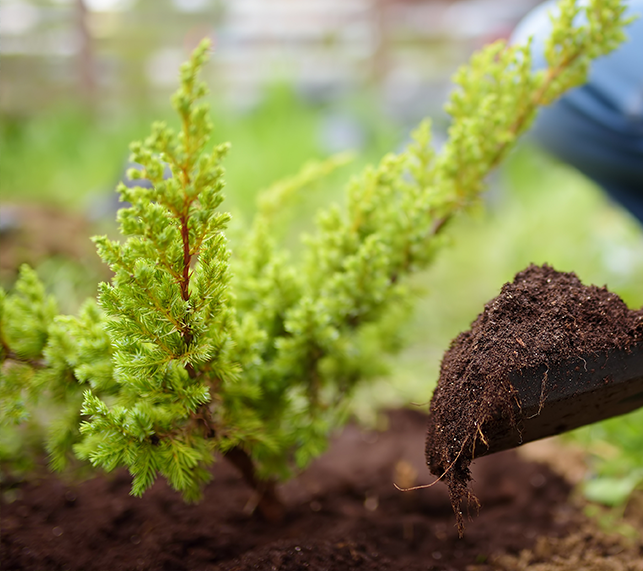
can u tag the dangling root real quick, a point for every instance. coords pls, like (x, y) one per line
(424, 486)
(482, 436)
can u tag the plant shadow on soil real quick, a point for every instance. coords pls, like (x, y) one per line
(344, 513)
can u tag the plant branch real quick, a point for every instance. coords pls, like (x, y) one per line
(269, 504)
(10, 355)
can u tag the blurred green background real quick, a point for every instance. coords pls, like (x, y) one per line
(80, 80)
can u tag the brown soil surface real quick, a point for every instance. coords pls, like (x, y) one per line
(32, 233)
(344, 514)
(29, 233)
(543, 317)
(584, 549)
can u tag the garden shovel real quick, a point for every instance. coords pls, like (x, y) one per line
(554, 400)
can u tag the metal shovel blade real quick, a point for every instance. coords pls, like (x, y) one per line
(582, 391)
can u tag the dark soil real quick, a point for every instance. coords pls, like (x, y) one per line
(543, 317)
(586, 548)
(344, 514)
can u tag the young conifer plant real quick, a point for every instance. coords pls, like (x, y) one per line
(192, 352)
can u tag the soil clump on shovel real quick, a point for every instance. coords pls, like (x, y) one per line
(541, 320)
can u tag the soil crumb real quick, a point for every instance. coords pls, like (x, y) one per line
(543, 317)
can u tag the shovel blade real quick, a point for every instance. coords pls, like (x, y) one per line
(557, 399)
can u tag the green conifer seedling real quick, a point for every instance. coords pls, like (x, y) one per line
(191, 352)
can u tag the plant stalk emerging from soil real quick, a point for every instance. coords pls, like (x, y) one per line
(191, 352)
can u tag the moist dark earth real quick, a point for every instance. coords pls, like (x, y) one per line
(344, 514)
(543, 317)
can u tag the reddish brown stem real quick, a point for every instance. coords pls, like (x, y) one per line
(10, 355)
(185, 277)
(187, 258)
(269, 504)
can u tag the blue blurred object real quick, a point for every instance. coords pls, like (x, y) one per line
(598, 127)
(106, 206)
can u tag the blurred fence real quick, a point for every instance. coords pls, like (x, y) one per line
(105, 51)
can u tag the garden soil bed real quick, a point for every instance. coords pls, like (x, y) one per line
(344, 514)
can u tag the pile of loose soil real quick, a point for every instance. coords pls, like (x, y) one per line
(543, 317)
(344, 513)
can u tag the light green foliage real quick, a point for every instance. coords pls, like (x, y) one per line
(274, 199)
(78, 351)
(45, 357)
(500, 95)
(170, 322)
(617, 458)
(25, 317)
(195, 351)
(569, 55)
(352, 273)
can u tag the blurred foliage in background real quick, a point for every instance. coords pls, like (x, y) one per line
(67, 157)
